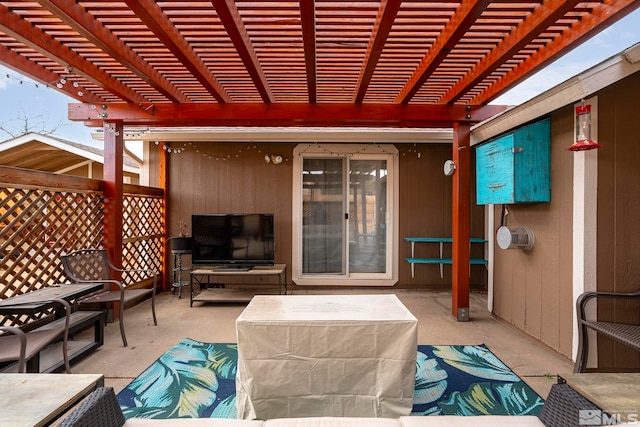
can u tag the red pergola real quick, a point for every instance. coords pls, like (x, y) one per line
(388, 63)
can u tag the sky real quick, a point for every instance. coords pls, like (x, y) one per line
(46, 108)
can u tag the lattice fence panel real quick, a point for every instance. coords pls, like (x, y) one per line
(143, 234)
(36, 227)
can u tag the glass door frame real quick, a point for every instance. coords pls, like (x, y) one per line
(386, 152)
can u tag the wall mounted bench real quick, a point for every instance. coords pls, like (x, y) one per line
(34, 306)
(442, 260)
(78, 347)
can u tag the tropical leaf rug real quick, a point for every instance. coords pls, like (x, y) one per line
(197, 380)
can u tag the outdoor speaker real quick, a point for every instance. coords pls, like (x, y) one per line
(515, 238)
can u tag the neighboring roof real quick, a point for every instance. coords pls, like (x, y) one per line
(579, 87)
(388, 63)
(53, 154)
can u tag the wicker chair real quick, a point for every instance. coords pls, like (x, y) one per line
(94, 266)
(563, 405)
(625, 333)
(21, 346)
(101, 408)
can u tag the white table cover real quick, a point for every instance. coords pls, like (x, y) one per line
(325, 355)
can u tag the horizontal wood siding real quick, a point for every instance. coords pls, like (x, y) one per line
(200, 181)
(426, 211)
(232, 178)
(533, 289)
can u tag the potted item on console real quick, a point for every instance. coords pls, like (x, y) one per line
(181, 244)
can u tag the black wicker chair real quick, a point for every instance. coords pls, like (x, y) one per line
(563, 405)
(628, 334)
(94, 266)
(100, 409)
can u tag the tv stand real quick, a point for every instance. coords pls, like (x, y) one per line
(234, 268)
(201, 281)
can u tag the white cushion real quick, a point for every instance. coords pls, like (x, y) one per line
(192, 422)
(332, 422)
(475, 421)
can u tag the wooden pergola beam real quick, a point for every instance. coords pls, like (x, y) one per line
(29, 35)
(542, 17)
(384, 21)
(230, 18)
(283, 114)
(41, 74)
(466, 14)
(154, 18)
(308, 23)
(573, 36)
(75, 16)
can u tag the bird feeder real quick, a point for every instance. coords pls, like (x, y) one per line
(583, 130)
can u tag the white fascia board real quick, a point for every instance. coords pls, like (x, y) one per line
(53, 142)
(294, 135)
(18, 141)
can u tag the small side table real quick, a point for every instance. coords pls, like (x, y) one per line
(178, 268)
(592, 399)
(40, 399)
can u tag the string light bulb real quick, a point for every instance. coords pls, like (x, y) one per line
(273, 158)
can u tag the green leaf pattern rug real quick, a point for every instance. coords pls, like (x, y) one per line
(197, 380)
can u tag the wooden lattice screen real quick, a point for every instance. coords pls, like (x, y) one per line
(39, 222)
(143, 233)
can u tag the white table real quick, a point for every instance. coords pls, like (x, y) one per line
(329, 355)
(39, 399)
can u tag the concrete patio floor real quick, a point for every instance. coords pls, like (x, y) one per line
(534, 362)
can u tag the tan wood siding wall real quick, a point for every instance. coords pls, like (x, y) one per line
(425, 211)
(245, 183)
(619, 212)
(533, 289)
(231, 178)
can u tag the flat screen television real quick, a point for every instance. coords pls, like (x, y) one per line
(232, 240)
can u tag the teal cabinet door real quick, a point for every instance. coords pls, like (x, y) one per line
(515, 168)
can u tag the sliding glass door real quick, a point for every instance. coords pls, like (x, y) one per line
(367, 216)
(344, 217)
(323, 210)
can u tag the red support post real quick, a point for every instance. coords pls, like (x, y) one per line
(113, 193)
(163, 179)
(461, 228)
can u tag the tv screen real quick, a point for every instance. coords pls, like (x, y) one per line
(242, 240)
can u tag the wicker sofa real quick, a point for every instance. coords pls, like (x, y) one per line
(101, 408)
(447, 420)
(561, 409)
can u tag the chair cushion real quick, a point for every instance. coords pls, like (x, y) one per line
(478, 420)
(332, 422)
(192, 422)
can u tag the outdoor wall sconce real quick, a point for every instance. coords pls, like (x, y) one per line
(272, 158)
(583, 130)
(449, 167)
